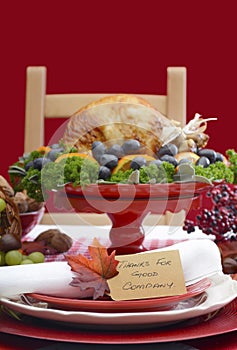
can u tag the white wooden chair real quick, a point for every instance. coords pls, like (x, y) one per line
(40, 106)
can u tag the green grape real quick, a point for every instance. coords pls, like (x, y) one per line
(24, 257)
(2, 258)
(2, 204)
(26, 261)
(13, 257)
(36, 257)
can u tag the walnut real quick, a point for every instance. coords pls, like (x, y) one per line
(55, 239)
(20, 199)
(33, 205)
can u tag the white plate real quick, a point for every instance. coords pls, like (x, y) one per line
(222, 291)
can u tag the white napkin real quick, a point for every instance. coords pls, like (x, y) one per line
(199, 258)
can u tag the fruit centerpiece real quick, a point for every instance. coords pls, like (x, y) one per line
(121, 156)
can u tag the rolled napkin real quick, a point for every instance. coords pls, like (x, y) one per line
(199, 258)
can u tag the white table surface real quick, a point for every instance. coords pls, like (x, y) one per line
(151, 232)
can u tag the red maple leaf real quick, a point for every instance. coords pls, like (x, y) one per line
(92, 274)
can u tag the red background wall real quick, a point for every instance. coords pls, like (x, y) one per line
(119, 46)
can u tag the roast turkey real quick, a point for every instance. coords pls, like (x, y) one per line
(117, 118)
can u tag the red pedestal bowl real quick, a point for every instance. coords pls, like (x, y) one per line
(127, 205)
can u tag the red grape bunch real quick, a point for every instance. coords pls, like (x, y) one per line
(221, 220)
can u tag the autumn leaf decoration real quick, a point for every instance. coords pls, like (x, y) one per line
(92, 274)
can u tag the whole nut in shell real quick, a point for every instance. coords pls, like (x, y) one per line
(33, 205)
(20, 199)
(55, 239)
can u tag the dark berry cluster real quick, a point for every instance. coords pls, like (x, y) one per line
(189, 226)
(221, 220)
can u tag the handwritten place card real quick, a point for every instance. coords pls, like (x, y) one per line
(148, 275)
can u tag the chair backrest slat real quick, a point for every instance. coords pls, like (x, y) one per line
(64, 105)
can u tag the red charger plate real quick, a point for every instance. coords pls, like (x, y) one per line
(223, 322)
